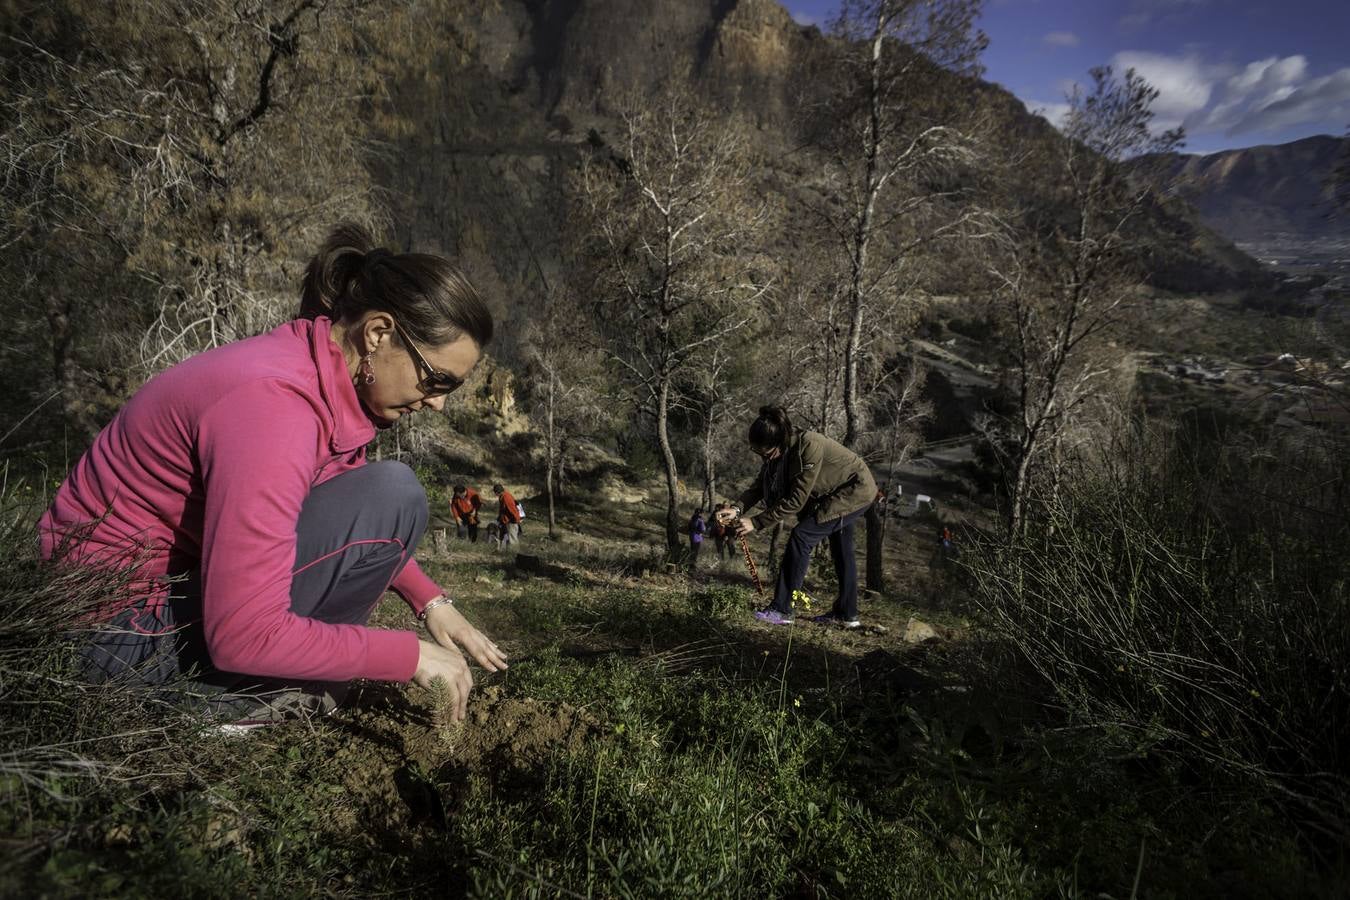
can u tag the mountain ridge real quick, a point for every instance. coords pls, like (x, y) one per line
(1255, 194)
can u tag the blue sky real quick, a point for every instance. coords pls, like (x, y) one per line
(1235, 73)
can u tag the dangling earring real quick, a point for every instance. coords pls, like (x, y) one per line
(366, 372)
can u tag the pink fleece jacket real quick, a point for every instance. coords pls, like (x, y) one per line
(207, 466)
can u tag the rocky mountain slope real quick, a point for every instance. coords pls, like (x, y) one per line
(1259, 193)
(484, 171)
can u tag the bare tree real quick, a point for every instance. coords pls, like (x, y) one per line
(564, 384)
(672, 219)
(805, 358)
(904, 412)
(716, 393)
(173, 163)
(893, 142)
(1070, 264)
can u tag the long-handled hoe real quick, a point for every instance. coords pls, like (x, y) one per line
(750, 562)
(726, 517)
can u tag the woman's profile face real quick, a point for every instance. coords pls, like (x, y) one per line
(406, 374)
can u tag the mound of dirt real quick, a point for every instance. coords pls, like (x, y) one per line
(502, 731)
(405, 766)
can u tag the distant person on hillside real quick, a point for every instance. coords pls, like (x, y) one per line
(946, 546)
(697, 528)
(822, 487)
(721, 532)
(508, 516)
(464, 507)
(243, 472)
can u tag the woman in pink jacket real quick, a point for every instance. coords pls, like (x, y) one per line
(237, 484)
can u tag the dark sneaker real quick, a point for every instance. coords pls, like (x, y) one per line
(838, 621)
(771, 616)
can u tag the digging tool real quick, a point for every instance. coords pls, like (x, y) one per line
(728, 516)
(750, 562)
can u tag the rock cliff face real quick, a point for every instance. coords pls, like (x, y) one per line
(483, 171)
(582, 58)
(1259, 193)
(752, 52)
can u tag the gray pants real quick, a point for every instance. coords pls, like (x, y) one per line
(350, 543)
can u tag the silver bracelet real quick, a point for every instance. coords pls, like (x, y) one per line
(440, 601)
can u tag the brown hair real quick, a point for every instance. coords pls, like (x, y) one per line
(431, 299)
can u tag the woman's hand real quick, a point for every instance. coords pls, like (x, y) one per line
(449, 627)
(744, 526)
(446, 665)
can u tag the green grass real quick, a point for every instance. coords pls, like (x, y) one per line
(648, 740)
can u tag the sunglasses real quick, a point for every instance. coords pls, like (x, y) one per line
(434, 383)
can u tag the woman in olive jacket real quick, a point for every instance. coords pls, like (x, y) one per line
(820, 486)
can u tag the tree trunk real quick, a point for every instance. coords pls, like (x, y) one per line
(551, 448)
(851, 351)
(672, 473)
(1017, 514)
(875, 544)
(709, 470)
(560, 469)
(862, 236)
(73, 408)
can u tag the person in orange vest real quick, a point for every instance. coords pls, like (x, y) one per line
(508, 515)
(464, 506)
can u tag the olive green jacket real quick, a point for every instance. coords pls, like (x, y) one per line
(823, 478)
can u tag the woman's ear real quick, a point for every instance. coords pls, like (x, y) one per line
(375, 329)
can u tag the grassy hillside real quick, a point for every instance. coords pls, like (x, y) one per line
(648, 740)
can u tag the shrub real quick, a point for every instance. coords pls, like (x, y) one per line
(720, 600)
(1190, 596)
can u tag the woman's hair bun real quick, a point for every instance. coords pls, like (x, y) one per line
(332, 270)
(430, 298)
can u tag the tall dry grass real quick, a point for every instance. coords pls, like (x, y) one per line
(1188, 595)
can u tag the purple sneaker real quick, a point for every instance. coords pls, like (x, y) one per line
(833, 619)
(771, 616)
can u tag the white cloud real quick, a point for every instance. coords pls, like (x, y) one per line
(1275, 72)
(1316, 100)
(1061, 39)
(1275, 93)
(1265, 95)
(1184, 83)
(802, 18)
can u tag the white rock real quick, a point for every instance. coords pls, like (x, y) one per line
(916, 632)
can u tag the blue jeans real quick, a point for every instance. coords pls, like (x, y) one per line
(797, 558)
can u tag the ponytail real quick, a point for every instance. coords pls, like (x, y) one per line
(432, 299)
(773, 428)
(333, 270)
